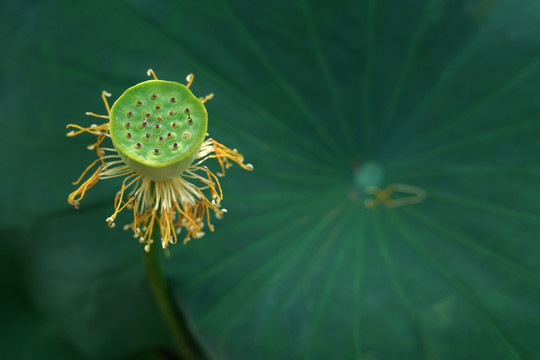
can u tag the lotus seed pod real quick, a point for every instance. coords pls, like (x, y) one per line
(158, 127)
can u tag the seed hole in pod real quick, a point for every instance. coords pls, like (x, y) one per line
(147, 115)
(172, 112)
(158, 118)
(161, 138)
(147, 136)
(169, 134)
(138, 103)
(128, 125)
(156, 151)
(157, 107)
(130, 113)
(153, 96)
(173, 125)
(186, 135)
(172, 99)
(157, 129)
(186, 110)
(144, 124)
(175, 146)
(138, 145)
(128, 135)
(190, 121)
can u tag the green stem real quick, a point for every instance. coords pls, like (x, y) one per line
(184, 342)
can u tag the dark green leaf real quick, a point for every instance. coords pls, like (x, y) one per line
(325, 99)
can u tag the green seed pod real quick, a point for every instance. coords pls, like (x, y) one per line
(157, 127)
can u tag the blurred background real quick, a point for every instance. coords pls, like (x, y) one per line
(326, 99)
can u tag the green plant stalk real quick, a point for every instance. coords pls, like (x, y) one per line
(184, 342)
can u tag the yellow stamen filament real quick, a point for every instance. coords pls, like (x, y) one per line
(93, 129)
(96, 115)
(151, 72)
(189, 80)
(101, 131)
(104, 96)
(206, 98)
(416, 195)
(212, 149)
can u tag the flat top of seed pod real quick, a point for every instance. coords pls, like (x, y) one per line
(158, 123)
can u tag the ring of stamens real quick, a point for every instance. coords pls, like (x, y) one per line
(184, 201)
